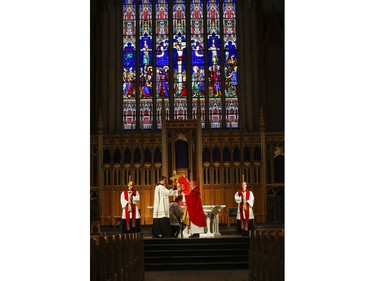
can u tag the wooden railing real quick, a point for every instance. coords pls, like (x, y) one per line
(266, 255)
(117, 257)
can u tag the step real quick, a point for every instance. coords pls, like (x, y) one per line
(196, 259)
(185, 241)
(196, 266)
(194, 252)
(179, 247)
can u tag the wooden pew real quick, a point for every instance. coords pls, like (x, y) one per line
(117, 257)
(266, 255)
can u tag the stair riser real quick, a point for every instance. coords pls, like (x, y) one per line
(185, 253)
(205, 241)
(199, 259)
(158, 247)
(193, 267)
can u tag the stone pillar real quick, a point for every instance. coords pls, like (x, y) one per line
(104, 66)
(118, 67)
(190, 145)
(199, 149)
(100, 164)
(111, 58)
(164, 144)
(263, 149)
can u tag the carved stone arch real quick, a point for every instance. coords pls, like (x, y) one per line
(246, 153)
(157, 154)
(216, 155)
(181, 146)
(117, 156)
(278, 149)
(279, 166)
(94, 177)
(226, 154)
(107, 159)
(137, 155)
(206, 154)
(279, 163)
(127, 155)
(147, 155)
(269, 148)
(182, 137)
(236, 154)
(94, 151)
(257, 154)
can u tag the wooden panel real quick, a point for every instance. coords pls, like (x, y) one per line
(257, 209)
(106, 206)
(116, 204)
(147, 199)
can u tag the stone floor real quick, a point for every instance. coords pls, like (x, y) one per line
(198, 275)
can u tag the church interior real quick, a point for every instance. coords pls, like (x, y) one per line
(193, 88)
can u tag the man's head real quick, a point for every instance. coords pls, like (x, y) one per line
(178, 198)
(162, 179)
(130, 184)
(244, 185)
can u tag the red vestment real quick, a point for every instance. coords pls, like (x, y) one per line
(193, 203)
(130, 216)
(244, 213)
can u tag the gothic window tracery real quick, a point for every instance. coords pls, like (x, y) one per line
(180, 51)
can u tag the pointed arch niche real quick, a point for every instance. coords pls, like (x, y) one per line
(182, 138)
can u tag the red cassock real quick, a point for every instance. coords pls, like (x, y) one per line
(193, 203)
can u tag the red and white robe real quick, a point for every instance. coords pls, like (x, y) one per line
(130, 217)
(244, 215)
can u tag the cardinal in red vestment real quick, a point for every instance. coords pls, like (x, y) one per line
(193, 202)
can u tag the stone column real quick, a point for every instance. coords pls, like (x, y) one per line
(105, 66)
(164, 144)
(199, 149)
(190, 147)
(263, 149)
(100, 164)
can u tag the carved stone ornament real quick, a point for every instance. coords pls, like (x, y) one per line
(279, 150)
(181, 136)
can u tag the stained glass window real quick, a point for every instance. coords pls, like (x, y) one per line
(179, 60)
(230, 67)
(128, 62)
(197, 58)
(214, 63)
(162, 59)
(168, 42)
(146, 64)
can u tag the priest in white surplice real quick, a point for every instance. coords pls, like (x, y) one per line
(245, 214)
(130, 218)
(161, 227)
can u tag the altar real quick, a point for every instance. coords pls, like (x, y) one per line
(212, 218)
